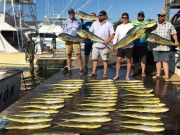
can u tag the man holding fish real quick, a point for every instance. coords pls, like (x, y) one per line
(103, 29)
(161, 53)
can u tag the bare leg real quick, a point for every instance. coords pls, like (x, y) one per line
(166, 69)
(143, 66)
(69, 56)
(79, 60)
(118, 66)
(105, 63)
(95, 63)
(128, 68)
(158, 68)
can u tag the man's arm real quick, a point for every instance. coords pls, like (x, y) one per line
(175, 37)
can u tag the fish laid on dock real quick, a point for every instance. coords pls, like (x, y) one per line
(48, 111)
(29, 115)
(90, 119)
(102, 98)
(146, 109)
(144, 116)
(141, 101)
(80, 125)
(141, 94)
(28, 120)
(129, 81)
(90, 113)
(100, 101)
(140, 91)
(143, 104)
(31, 126)
(143, 122)
(98, 104)
(145, 128)
(41, 106)
(46, 102)
(98, 109)
(55, 133)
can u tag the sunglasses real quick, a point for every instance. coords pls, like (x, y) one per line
(161, 15)
(101, 15)
(124, 17)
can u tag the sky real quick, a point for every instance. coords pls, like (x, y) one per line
(114, 8)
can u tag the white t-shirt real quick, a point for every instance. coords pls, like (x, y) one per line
(102, 30)
(121, 32)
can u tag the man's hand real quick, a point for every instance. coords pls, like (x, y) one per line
(106, 42)
(177, 43)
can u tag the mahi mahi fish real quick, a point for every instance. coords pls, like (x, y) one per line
(141, 94)
(31, 126)
(90, 119)
(146, 109)
(143, 122)
(99, 104)
(67, 37)
(144, 104)
(43, 106)
(154, 38)
(138, 91)
(48, 111)
(98, 109)
(80, 125)
(29, 115)
(55, 133)
(143, 116)
(145, 128)
(83, 15)
(134, 34)
(90, 113)
(28, 120)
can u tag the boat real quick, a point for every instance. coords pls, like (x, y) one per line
(13, 35)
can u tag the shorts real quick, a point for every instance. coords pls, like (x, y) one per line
(70, 47)
(125, 52)
(139, 54)
(88, 47)
(96, 52)
(161, 56)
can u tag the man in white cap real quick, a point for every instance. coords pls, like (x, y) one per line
(161, 53)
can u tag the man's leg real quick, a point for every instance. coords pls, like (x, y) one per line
(105, 63)
(143, 67)
(158, 68)
(118, 66)
(128, 68)
(69, 56)
(166, 70)
(79, 60)
(94, 66)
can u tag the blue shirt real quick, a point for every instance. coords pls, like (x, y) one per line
(140, 41)
(71, 26)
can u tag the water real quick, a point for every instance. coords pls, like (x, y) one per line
(165, 91)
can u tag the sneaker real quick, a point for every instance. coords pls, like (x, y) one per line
(81, 72)
(69, 73)
(86, 70)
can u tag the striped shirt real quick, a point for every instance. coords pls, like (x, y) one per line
(164, 30)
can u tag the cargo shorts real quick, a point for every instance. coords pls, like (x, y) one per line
(102, 52)
(72, 47)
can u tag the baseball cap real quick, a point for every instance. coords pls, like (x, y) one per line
(71, 11)
(162, 12)
(141, 13)
(125, 14)
(103, 12)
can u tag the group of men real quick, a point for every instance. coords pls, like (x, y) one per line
(136, 50)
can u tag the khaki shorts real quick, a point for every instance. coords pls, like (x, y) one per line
(96, 53)
(72, 47)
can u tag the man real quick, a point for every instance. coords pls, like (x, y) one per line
(70, 26)
(103, 29)
(140, 47)
(88, 43)
(161, 53)
(121, 31)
